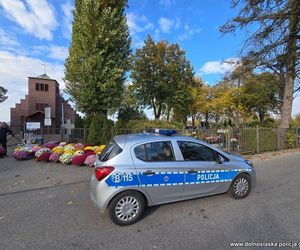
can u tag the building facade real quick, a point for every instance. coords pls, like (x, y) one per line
(42, 92)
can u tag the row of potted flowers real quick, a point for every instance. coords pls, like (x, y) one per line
(66, 153)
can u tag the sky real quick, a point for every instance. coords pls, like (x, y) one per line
(37, 32)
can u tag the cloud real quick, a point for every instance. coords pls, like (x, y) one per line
(7, 40)
(138, 24)
(165, 24)
(35, 17)
(58, 52)
(52, 51)
(218, 67)
(132, 22)
(14, 70)
(188, 32)
(67, 9)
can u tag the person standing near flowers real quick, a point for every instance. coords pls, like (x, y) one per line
(4, 131)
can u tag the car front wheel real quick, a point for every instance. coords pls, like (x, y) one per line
(241, 186)
(126, 208)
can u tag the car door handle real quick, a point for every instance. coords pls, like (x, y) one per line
(192, 171)
(149, 172)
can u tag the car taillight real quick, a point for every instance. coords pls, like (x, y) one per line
(102, 172)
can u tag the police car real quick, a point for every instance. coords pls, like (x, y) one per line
(145, 169)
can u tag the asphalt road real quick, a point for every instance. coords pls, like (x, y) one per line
(47, 206)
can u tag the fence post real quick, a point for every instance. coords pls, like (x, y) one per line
(228, 140)
(84, 134)
(257, 139)
(278, 138)
(297, 139)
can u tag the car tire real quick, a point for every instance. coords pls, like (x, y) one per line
(126, 208)
(240, 186)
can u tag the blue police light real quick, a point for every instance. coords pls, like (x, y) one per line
(165, 131)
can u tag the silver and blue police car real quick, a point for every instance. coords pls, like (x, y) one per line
(139, 170)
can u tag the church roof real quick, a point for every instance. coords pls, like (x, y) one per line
(43, 76)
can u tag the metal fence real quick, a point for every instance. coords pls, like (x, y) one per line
(243, 141)
(48, 134)
(249, 140)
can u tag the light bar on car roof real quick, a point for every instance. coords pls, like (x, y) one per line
(165, 131)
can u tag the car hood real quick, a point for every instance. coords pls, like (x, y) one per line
(233, 156)
(236, 157)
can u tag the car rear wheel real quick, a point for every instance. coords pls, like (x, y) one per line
(241, 186)
(126, 208)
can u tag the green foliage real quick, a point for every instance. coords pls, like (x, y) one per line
(267, 123)
(260, 94)
(248, 142)
(98, 56)
(161, 76)
(3, 91)
(290, 138)
(267, 139)
(141, 125)
(100, 130)
(79, 122)
(129, 109)
(225, 100)
(127, 113)
(242, 95)
(295, 122)
(198, 100)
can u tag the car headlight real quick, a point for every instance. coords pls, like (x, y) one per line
(249, 163)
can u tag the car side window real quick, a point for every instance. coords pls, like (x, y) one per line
(140, 152)
(192, 151)
(110, 151)
(155, 151)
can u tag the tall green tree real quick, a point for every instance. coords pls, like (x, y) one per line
(196, 91)
(3, 91)
(274, 42)
(260, 94)
(225, 101)
(95, 70)
(161, 75)
(129, 109)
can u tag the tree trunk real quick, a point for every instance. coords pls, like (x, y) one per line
(154, 109)
(291, 55)
(206, 119)
(193, 120)
(168, 114)
(184, 121)
(157, 116)
(286, 109)
(261, 115)
(236, 119)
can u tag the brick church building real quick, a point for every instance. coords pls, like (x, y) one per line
(42, 92)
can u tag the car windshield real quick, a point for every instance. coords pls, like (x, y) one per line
(111, 150)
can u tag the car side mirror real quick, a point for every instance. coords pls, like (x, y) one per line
(219, 159)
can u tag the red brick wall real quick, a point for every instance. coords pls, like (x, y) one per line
(19, 112)
(48, 97)
(27, 106)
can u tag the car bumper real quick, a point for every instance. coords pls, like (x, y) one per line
(99, 193)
